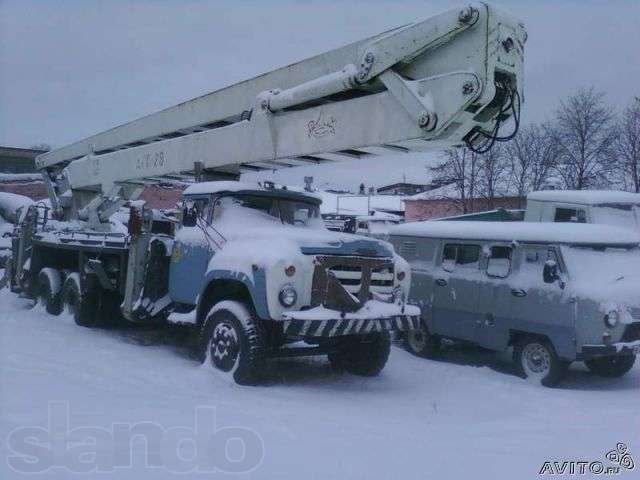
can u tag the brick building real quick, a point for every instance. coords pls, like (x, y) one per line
(18, 160)
(443, 202)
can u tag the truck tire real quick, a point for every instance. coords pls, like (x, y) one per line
(537, 361)
(84, 305)
(48, 290)
(611, 367)
(422, 343)
(363, 355)
(232, 342)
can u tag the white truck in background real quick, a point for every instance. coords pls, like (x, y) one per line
(606, 207)
(257, 293)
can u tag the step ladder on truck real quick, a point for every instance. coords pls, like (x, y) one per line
(251, 265)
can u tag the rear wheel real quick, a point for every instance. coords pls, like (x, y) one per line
(83, 304)
(232, 343)
(48, 289)
(611, 367)
(422, 343)
(537, 361)
(363, 355)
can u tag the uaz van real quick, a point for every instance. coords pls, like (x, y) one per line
(557, 293)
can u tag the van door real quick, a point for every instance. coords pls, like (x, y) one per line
(455, 297)
(191, 253)
(546, 309)
(496, 300)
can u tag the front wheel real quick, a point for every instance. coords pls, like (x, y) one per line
(611, 367)
(537, 361)
(363, 355)
(422, 343)
(232, 342)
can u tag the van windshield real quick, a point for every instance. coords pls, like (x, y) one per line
(602, 265)
(620, 215)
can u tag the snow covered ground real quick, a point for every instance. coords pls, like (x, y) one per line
(466, 416)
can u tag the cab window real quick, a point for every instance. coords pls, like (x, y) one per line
(460, 255)
(575, 215)
(194, 208)
(499, 262)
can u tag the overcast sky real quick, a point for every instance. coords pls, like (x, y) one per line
(76, 67)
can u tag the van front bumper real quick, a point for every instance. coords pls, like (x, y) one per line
(615, 349)
(322, 322)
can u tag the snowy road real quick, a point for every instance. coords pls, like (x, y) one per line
(463, 417)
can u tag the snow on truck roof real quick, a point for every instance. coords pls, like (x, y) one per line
(527, 232)
(204, 188)
(586, 197)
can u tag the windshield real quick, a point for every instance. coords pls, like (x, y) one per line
(621, 215)
(291, 212)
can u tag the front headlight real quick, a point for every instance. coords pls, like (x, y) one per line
(611, 319)
(288, 296)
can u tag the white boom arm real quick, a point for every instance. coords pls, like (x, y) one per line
(448, 80)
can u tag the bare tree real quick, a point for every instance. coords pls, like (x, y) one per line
(459, 169)
(584, 134)
(627, 146)
(531, 157)
(493, 175)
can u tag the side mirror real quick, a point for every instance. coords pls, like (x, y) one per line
(189, 216)
(550, 272)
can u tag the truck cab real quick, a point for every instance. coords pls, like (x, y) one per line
(376, 226)
(263, 257)
(615, 208)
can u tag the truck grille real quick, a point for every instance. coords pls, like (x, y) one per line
(350, 277)
(635, 313)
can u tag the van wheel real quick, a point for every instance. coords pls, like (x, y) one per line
(232, 343)
(421, 343)
(538, 362)
(48, 290)
(363, 355)
(84, 305)
(611, 367)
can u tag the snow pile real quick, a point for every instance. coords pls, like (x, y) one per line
(426, 416)
(585, 197)
(572, 233)
(20, 177)
(10, 203)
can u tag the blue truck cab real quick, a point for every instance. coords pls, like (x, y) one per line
(264, 277)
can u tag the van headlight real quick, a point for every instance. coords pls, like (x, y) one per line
(288, 296)
(611, 319)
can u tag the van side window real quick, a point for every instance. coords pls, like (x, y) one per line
(460, 255)
(575, 215)
(499, 263)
